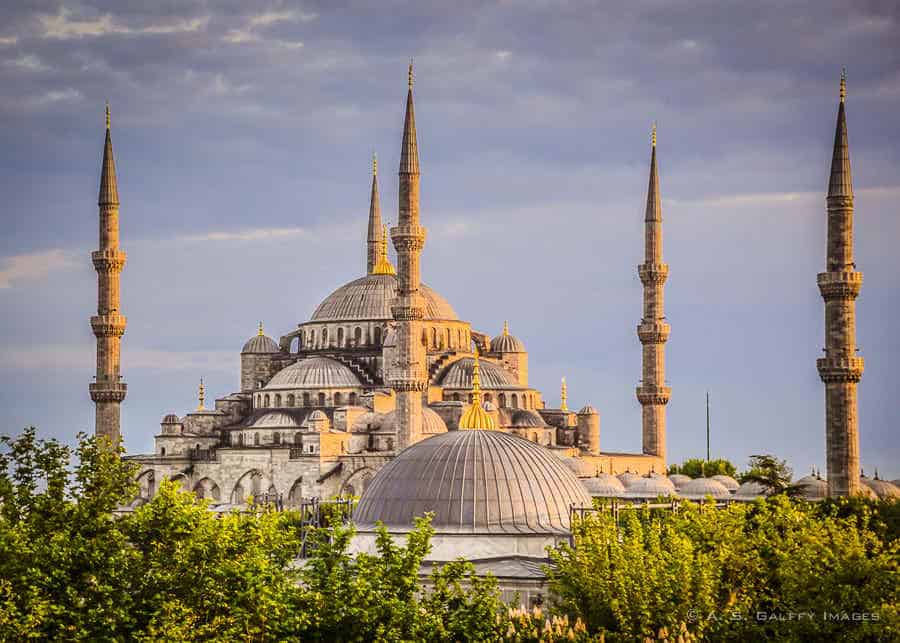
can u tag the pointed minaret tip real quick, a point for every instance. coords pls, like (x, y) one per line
(653, 135)
(410, 79)
(843, 83)
(109, 188)
(107, 114)
(374, 164)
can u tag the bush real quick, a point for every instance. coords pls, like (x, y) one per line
(698, 468)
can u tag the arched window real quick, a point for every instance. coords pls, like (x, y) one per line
(455, 397)
(376, 336)
(266, 401)
(290, 399)
(338, 399)
(306, 399)
(298, 439)
(353, 399)
(501, 399)
(240, 439)
(311, 342)
(433, 337)
(277, 400)
(162, 451)
(449, 339)
(340, 337)
(357, 336)
(515, 401)
(256, 439)
(276, 437)
(390, 444)
(324, 338)
(260, 384)
(424, 337)
(470, 398)
(488, 398)
(321, 399)
(295, 345)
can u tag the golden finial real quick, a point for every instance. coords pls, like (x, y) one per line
(563, 396)
(653, 135)
(476, 379)
(410, 73)
(374, 164)
(107, 114)
(201, 395)
(843, 83)
(505, 327)
(383, 265)
(260, 330)
(475, 417)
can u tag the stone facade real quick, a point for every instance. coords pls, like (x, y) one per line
(840, 369)
(108, 390)
(653, 331)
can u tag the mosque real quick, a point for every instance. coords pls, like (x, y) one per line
(386, 394)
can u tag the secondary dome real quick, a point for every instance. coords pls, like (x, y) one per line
(750, 490)
(431, 422)
(679, 480)
(700, 488)
(627, 479)
(604, 485)
(506, 343)
(370, 297)
(526, 418)
(728, 482)
(882, 488)
(650, 487)
(260, 344)
(459, 375)
(276, 419)
(475, 482)
(315, 372)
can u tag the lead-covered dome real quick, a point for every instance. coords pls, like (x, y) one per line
(459, 375)
(701, 488)
(506, 343)
(314, 372)
(431, 422)
(276, 419)
(475, 482)
(260, 344)
(370, 297)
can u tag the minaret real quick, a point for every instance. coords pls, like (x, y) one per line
(373, 240)
(408, 376)
(653, 331)
(108, 390)
(840, 369)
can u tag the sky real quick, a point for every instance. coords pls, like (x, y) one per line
(244, 132)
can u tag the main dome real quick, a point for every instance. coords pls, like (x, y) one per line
(370, 297)
(475, 482)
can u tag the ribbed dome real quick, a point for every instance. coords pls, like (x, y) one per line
(604, 485)
(475, 482)
(812, 488)
(700, 488)
(276, 420)
(728, 482)
(432, 423)
(526, 419)
(317, 416)
(650, 487)
(370, 297)
(750, 489)
(260, 344)
(679, 480)
(882, 488)
(171, 418)
(587, 409)
(627, 479)
(507, 343)
(580, 467)
(314, 372)
(459, 375)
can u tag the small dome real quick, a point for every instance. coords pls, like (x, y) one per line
(506, 343)
(751, 489)
(475, 482)
(728, 482)
(650, 487)
(604, 485)
(525, 419)
(580, 467)
(459, 375)
(314, 372)
(627, 479)
(700, 488)
(431, 422)
(171, 418)
(882, 488)
(317, 421)
(317, 416)
(587, 409)
(812, 488)
(679, 480)
(260, 344)
(276, 420)
(369, 298)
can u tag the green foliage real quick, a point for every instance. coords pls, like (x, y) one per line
(777, 569)
(772, 473)
(698, 468)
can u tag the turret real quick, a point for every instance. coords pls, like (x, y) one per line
(589, 430)
(375, 233)
(108, 390)
(653, 331)
(840, 369)
(257, 363)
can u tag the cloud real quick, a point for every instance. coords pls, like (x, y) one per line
(261, 21)
(28, 62)
(62, 27)
(251, 234)
(58, 357)
(8, 41)
(34, 266)
(58, 95)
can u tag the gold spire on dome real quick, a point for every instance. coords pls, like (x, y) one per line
(505, 328)
(201, 395)
(107, 114)
(475, 417)
(563, 396)
(374, 164)
(383, 265)
(653, 135)
(260, 330)
(843, 83)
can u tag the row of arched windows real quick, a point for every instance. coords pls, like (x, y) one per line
(527, 400)
(267, 400)
(433, 337)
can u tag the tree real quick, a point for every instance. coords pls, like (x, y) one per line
(771, 473)
(699, 468)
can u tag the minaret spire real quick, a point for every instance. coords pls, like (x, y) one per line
(108, 390)
(653, 331)
(840, 369)
(408, 376)
(375, 229)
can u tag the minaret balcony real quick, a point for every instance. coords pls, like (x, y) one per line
(408, 238)
(108, 391)
(653, 394)
(840, 369)
(108, 260)
(653, 273)
(403, 383)
(111, 325)
(839, 285)
(653, 332)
